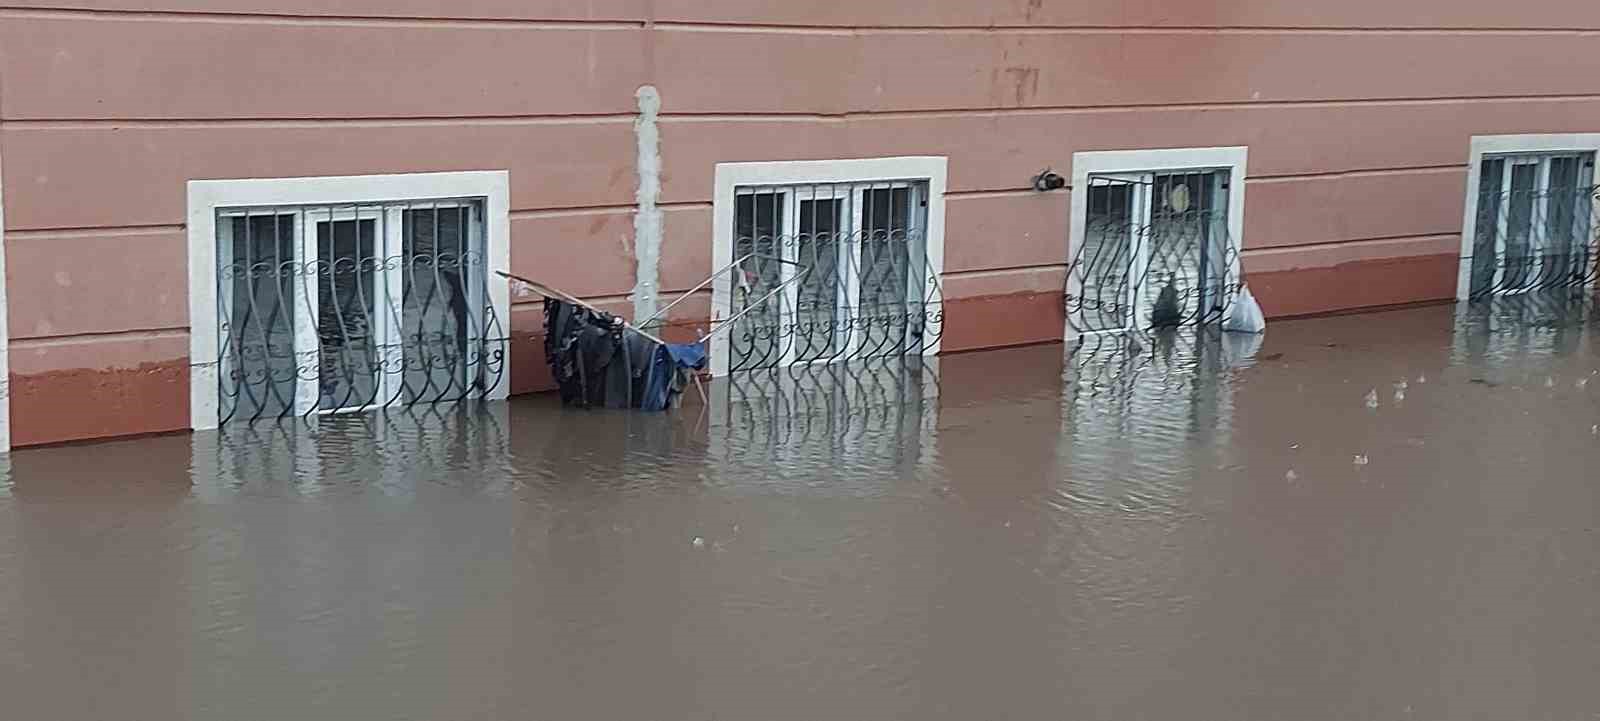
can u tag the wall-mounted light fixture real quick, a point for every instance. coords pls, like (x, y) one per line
(1047, 181)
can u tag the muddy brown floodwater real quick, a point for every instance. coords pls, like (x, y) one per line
(1391, 516)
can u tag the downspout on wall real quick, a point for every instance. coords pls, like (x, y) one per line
(647, 219)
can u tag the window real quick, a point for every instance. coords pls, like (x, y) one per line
(828, 262)
(1154, 239)
(1533, 228)
(372, 295)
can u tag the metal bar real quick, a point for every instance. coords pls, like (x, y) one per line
(727, 322)
(1205, 252)
(285, 304)
(701, 286)
(551, 292)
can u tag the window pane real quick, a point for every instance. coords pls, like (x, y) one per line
(885, 262)
(819, 315)
(1559, 243)
(1104, 263)
(1186, 250)
(258, 368)
(443, 266)
(1490, 209)
(757, 338)
(346, 273)
(1519, 224)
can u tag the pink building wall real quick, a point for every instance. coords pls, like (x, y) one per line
(1357, 114)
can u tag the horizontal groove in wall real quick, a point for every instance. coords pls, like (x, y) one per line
(1086, 29)
(57, 233)
(1253, 179)
(1362, 173)
(1276, 250)
(193, 16)
(135, 231)
(157, 14)
(1002, 192)
(570, 212)
(39, 341)
(768, 117)
(1394, 240)
(515, 214)
(1015, 270)
(31, 234)
(527, 305)
(668, 117)
(292, 123)
(602, 209)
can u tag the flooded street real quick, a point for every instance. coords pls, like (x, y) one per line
(1389, 516)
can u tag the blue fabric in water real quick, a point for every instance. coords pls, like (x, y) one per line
(688, 355)
(667, 368)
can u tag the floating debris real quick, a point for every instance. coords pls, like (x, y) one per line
(698, 542)
(1361, 460)
(1399, 395)
(1549, 382)
(1291, 476)
(1422, 379)
(1372, 398)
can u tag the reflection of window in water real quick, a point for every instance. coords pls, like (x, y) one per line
(1535, 223)
(838, 273)
(1133, 399)
(1145, 233)
(400, 450)
(875, 411)
(1500, 330)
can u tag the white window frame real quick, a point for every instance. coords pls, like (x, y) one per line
(1125, 163)
(730, 177)
(207, 197)
(1507, 145)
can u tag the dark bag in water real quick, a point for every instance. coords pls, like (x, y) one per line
(1167, 313)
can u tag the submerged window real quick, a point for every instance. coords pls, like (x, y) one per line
(332, 308)
(1535, 223)
(1155, 251)
(830, 272)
